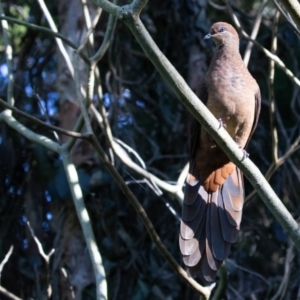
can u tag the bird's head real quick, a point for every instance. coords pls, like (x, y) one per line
(223, 34)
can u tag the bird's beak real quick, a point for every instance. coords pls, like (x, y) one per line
(208, 36)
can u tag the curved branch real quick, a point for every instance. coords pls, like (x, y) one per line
(126, 160)
(32, 136)
(106, 40)
(43, 124)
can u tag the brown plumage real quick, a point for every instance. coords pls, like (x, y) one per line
(214, 194)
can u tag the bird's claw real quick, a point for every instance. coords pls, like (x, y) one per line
(222, 124)
(245, 154)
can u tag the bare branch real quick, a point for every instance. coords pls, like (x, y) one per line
(293, 7)
(287, 17)
(254, 31)
(109, 7)
(43, 124)
(90, 24)
(39, 245)
(276, 59)
(8, 294)
(85, 222)
(45, 257)
(172, 189)
(274, 133)
(6, 258)
(58, 41)
(9, 58)
(287, 272)
(37, 138)
(106, 40)
(4, 261)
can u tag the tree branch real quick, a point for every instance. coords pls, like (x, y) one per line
(293, 7)
(32, 136)
(85, 222)
(254, 32)
(270, 55)
(9, 57)
(274, 133)
(43, 124)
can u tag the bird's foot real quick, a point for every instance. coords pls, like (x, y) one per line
(245, 154)
(222, 124)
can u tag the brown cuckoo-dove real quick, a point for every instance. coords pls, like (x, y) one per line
(214, 194)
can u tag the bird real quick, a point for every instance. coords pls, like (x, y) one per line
(214, 192)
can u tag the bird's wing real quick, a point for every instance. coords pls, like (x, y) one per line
(257, 99)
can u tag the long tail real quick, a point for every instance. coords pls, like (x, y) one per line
(210, 224)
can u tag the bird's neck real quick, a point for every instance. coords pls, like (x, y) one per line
(227, 49)
(226, 53)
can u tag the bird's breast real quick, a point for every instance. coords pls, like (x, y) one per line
(231, 98)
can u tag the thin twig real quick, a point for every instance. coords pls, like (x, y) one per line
(6, 258)
(230, 261)
(293, 7)
(181, 180)
(90, 25)
(9, 58)
(45, 256)
(287, 272)
(172, 189)
(47, 31)
(4, 261)
(272, 112)
(106, 40)
(130, 150)
(254, 32)
(58, 41)
(39, 245)
(287, 17)
(73, 134)
(274, 57)
(8, 294)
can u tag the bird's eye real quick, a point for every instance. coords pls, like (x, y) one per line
(222, 29)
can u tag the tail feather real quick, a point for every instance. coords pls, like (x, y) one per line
(208, 231)
(213, 262)
(208, 273)
(190, 248)
(219, 244)
(230, 232)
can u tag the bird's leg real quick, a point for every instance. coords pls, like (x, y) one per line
(222, 124)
